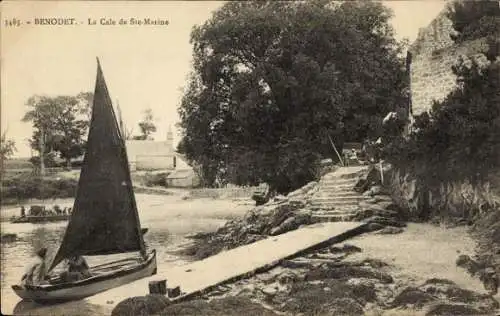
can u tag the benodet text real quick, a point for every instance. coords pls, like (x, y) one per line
(55, 21)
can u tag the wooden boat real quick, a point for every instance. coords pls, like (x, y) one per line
(40, 219)
(104, 219)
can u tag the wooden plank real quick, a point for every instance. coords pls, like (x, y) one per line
(200, 276)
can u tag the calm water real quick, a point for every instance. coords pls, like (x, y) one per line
(168, 219)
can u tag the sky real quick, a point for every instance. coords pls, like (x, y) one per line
(145, 66)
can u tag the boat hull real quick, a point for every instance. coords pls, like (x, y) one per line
(56, 293)
(40, 219)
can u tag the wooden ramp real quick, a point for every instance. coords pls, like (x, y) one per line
(198, 276)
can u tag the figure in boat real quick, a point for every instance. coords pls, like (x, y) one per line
(35, 271)
(77, 269)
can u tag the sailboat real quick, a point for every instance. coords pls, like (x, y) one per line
(104, 220)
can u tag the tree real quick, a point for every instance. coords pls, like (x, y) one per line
(146, 126)
(474, 19)
(271, 80)
(61, 122)
(7, 149)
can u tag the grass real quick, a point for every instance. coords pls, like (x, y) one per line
(19, 187)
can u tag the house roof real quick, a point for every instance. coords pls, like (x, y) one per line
(148, 148)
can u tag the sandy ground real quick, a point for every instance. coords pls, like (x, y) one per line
(422, 252)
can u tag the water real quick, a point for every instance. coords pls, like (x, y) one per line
(168, 219)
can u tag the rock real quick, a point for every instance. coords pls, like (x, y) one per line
(376, 190)
(361, 185)
(412, 297)
(287, 278)
(390, 230)
(374, 210)
(380, 198)
(311, 299)
(385, 221)
(347, 272)
(346, 248)
(270, 290)
(466, 262)
(141, 305)
(344, 306)
(367, 193)
(363, 289)
(371, 227)
(446, 309)
(279, 199)
(490, 280)
(449, 291)
(374, 263)
(291, 223)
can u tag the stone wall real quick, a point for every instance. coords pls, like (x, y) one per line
(433, 55)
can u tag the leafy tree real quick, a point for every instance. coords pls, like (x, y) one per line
(474, 19)
(147, 126)
(7, 149)
(271, 80)
(61, 121)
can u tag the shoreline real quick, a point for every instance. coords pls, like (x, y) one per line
(392, 268)
(378, 273)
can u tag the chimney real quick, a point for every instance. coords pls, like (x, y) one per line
(170, 136)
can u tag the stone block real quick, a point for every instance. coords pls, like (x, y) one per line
(158, 287)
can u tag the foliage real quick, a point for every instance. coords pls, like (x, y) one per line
(272, 79)
(459, 140)
(7, 147)
(146, 126)
(474, 19)
(26, 186)
(62, 121)
(155, 179)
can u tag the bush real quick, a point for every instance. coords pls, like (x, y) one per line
(155, 179)
(26, 186)
(457, 143)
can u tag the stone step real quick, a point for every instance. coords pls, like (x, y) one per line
(334, 213)
(340, 187)
(330, 194)
(334, 203)
(336, 193)
(330, 218)
(339, 181)
(335, 198)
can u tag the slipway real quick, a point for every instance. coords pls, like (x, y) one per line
(200, 276)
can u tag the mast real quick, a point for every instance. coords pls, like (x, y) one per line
(120, 120)
(42, 152)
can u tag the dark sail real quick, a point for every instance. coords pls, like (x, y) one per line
(104, 218)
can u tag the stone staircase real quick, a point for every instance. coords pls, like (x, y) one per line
(335, 199)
